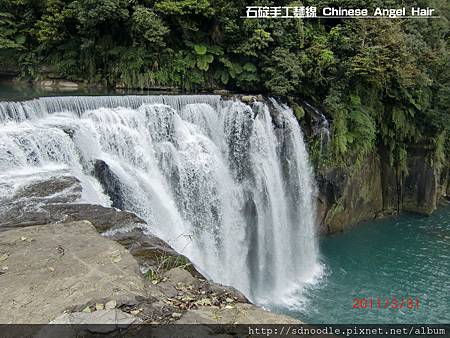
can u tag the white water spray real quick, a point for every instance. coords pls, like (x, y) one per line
(227, 184)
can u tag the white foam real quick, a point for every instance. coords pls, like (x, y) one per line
(215, 179)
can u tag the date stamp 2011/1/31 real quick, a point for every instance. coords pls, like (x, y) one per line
(386, 303)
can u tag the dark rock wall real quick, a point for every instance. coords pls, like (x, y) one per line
(421, 184)
(377, 189)
(350, 197)
(110, 183)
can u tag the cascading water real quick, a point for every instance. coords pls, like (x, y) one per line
(321, 128)
(227, 184)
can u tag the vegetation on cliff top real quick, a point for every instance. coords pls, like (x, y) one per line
(383, 82)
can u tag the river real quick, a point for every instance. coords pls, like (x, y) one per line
(402, 257)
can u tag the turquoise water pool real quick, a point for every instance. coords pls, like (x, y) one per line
(403, 257)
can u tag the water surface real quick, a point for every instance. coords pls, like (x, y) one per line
(402, 257)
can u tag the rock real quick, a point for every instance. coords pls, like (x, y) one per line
(221, 92)
(178, 275)
(167, 289)
(347, 198)
(143, 246)
(176, 315)
(110, 305)
(148, 250)
(47, 69)
(68, 84)
(110, 183)
(232, 292)
(103, 218)
(27, 204)
(65, 265)
(9, 71)
(14, 215)
(100, 322)
(238, 314)
(389, 184)
(49, 201)
(112, 316)
(84, 271)
(421, 184)
(248, 98)
(62, 189)
(45, 83)
(57, 84)
(331, 184)
(377, 189)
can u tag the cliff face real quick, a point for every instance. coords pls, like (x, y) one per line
(376, 189)
(347, 198)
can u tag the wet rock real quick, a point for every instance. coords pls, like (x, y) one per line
(347, 198)
(45, 83)
(221, 92)
(331, 184)
(27, 205)
(62, 189)
(421, 184)
(69, 131)
(389, 184)
(15, 215)
(50, 201)
(251, 98)
(446, 186)
(377, 189)
(103, 218)
(248, 99)
(110, 183)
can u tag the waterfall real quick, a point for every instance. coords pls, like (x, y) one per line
(227, 184)
(321, 126)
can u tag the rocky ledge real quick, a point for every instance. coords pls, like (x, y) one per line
(62, 262)
(376, 189)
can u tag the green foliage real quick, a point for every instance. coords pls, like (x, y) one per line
(145, 24)
(165, 262)
(283, 72)
(200, 49)
(10, 38)
(259, 40)
(380, 82)
(363, 133)
(92, 14)
(184, 7)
